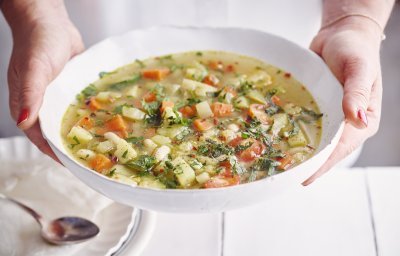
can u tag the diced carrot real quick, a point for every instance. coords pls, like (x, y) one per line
(86, 122)
(219, 182)
(116, 123)
(188, 111)
(211, 80)
(149, 97)
(286, 162)
(228, 169)
(252, 152)
(203, 124)
(276, 100)
(166, 104)
(94, 104)
(235, 142)
(230, 68)
(149, 132)
(100, 163)
(216, 65)
(221, 109)
(155, 74)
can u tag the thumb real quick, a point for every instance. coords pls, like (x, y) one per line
(28, 79)
(359, 77)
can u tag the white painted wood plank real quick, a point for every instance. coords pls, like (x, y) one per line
(384, 187)
(330, 217)
(185, 234)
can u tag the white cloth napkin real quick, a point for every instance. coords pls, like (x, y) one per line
(48, 188)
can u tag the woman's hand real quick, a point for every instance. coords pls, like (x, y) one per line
(350, 48)
(43, 43)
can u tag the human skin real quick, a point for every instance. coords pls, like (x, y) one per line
(45, 39)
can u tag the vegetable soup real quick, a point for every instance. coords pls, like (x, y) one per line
(190, 120)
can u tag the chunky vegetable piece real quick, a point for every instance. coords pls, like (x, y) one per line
(192, 120)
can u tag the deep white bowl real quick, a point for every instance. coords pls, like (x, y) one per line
(114, 52)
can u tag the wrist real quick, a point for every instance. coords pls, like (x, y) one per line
(355, 23)
(24, 13)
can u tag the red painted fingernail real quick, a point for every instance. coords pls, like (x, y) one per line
(23, 116)
(362, 116)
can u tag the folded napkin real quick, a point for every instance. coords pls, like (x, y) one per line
(46, 186)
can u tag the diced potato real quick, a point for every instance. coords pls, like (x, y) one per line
(169, 113)
(107, 96)
(124, 179)
(183, 172)
(203, 177)
(161, 153)
(134, 92)
(256, 96)
(297, 140)
(133, 113)
(204, 110)
(196, 73)
(291, 109)
(122, 170)
(149, 146)
(228, 135)
(195, 164)
(125, 152)
(241, 102)
(161, 140)
(186, 146)
(280, 121)
(83, 112)
(85, 154)
(200, 89)
(233, 127)
(105, 146)
(237, 81)
(260, 77)
(112, 137)
(150, 182)
(79, 135)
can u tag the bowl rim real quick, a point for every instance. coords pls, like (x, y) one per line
(332, 142)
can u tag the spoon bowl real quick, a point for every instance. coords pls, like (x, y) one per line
(61, 231)
(69, 230)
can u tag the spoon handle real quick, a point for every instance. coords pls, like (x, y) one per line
(29, 210)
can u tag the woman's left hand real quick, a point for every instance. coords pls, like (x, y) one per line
(351, 50)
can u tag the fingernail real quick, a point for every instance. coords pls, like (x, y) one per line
(362, 116)
(23, 116)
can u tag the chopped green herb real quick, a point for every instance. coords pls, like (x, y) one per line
(136, 140)
(77, 142)
(140, 63)
(143, 163)
(199, 54)
(124, 154)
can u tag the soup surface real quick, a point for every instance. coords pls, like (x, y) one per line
(192, 120)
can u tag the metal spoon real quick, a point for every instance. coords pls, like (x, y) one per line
(61, 231)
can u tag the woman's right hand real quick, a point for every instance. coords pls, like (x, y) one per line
(44, 40)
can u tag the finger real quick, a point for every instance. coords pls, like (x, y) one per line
(359, 76)
(352, 137)
(28, 82)
(35, 135)
(345, 146)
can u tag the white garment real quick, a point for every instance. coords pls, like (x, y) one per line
(97, 19)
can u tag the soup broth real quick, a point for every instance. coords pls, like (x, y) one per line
(192, 120)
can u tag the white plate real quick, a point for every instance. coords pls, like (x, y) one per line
(119, 224)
